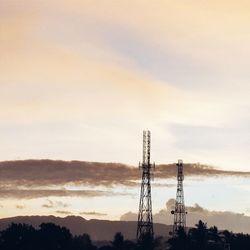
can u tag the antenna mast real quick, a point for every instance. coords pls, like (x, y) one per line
(145, 218)
(180, 211)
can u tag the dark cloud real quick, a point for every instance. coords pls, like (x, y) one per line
(236, 222)
(195, 169)
(93, 213)
(42, 178)
(31, 194)
(47, 172)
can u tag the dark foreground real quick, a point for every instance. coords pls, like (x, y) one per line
(53, 237)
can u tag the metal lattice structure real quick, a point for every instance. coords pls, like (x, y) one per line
(145, 218)
(179, 212)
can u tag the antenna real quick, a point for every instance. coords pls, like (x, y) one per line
(179, 212)
(145, 217)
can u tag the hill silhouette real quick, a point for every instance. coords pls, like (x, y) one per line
(99, 230)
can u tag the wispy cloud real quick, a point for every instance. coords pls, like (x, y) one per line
(63, 212)
(93, 213)
(38, 193)
(51, 204)
(20, 206)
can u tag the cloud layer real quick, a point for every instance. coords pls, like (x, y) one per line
(222, 219)
(47, 172)
(42, 178)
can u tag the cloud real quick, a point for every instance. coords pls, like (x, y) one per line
(31, 179)
(166, 185)
(38, 193)
(20, 206)
(197, 209)
(196, 169)
(129, 216)
(46, 172)
(170, 204)
(236, 222)
(63, 212)
(93, 213)
(61, 204)
(51, 204)
(40, 173)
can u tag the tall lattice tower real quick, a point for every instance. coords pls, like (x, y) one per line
(145, 218)
(179, 212)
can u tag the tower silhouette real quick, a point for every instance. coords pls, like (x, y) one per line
(179, 212)
(145, 218)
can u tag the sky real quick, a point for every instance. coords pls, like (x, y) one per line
(80, 80)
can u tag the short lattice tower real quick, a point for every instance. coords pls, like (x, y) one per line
(179, 212)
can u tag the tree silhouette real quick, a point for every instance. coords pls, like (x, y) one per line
(214, 240)
(18, 236)
(118, 242)
(83, 242)
(180, 241)
(228, 238)
(149, 243)
(53, 237)
(198, 236)
(106, 248)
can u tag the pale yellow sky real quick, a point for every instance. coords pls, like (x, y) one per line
(82, 79)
